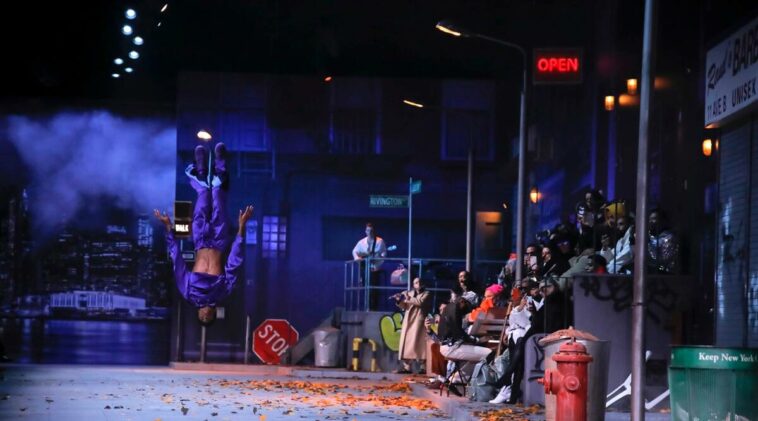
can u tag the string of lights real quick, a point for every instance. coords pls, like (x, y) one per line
(135, 29)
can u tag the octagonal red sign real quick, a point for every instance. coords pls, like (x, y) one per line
(272, 338)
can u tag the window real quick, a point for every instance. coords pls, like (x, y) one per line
(274, 237)
(251, 232)
(462, 128)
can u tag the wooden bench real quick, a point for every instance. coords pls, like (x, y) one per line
(491, 325)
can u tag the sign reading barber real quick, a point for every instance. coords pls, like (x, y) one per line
(731, 70)
(272, 339)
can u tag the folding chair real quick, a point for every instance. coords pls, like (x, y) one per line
(462, 378)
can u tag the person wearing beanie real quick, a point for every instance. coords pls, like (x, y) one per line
(488, 302)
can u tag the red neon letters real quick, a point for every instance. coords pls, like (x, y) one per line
(558, 64)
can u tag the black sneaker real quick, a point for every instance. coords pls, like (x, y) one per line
(221, 177)
(219, 153)
(201, 162)
(454, 390)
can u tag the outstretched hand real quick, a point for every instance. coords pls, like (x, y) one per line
(164, 218)
(245, 214)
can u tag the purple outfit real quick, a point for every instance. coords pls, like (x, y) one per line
(210, 229)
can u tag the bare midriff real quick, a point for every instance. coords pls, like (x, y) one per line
(208, 261)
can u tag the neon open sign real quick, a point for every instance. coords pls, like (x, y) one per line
(557, 65)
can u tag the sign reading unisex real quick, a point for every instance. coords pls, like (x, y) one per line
(731, 70)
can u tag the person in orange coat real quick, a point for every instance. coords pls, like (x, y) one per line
(490, 294)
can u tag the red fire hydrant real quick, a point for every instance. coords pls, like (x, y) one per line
(569, 381)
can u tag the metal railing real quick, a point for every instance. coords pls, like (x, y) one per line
(439, 276)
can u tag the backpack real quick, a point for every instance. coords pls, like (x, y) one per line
(482, 386)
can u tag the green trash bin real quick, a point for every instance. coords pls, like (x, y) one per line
(709, 383)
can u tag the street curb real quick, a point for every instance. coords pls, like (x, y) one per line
(292, 371)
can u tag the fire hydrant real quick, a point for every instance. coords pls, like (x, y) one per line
(569, 381)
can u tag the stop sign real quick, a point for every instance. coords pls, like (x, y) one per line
(272, 339)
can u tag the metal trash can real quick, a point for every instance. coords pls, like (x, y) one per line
(709, 383)
(326, 346)
(597, 374)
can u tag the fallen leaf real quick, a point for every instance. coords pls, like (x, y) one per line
(262, 418)
(185, 410)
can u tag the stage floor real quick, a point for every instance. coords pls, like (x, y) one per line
(58, 393)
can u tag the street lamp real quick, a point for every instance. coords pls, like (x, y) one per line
(455, 30)
(204, 135)
(469, 188)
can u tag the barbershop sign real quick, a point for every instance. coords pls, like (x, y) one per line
(731, 70)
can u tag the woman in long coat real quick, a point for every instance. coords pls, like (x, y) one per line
(417, 304)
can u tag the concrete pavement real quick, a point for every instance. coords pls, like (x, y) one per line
(190, 391)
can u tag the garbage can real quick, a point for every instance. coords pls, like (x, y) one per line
(709, 383)
(597, 372)
(326, 345)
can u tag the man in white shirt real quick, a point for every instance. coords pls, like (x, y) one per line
(372, 249)
(621, 255)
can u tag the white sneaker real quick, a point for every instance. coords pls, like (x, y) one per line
(456, 378)
(503, 395)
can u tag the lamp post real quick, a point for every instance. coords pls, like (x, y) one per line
(469, 184)
(205, 136)
(454, 30)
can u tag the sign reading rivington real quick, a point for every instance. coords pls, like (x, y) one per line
(388, 201)
(731, 70)
(557, 66)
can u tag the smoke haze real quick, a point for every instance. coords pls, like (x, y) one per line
(79, 159)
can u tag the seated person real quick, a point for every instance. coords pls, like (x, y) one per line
(455, 343)
(490, 296)
(468, 288)
(519, 329)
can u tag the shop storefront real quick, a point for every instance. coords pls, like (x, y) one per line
(731, 108)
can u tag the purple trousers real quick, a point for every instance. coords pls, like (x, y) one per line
(210, 229)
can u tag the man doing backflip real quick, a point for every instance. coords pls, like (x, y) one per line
(210, 281)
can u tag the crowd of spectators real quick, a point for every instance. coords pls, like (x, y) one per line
(601, 241)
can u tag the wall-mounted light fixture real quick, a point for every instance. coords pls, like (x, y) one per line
(631, 86)
(535, 195)
(707, 147)
(610, 102)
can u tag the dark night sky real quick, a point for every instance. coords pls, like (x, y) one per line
(66, 49)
